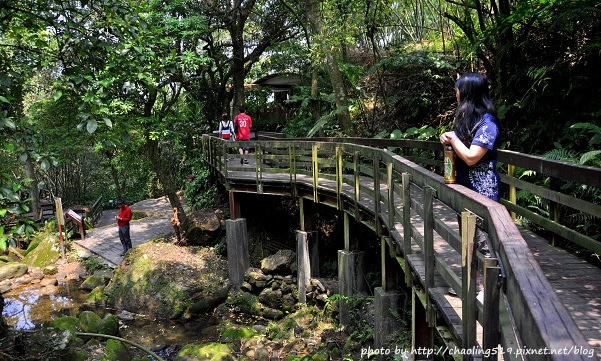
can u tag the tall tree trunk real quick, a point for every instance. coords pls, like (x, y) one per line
(344, 118)
(315, 103)
(154, 155)
(115, 176)
(152, 145)
(35, 191)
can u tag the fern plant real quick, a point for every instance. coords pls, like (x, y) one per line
(592, 157)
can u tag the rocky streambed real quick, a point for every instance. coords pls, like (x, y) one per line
(174, 302)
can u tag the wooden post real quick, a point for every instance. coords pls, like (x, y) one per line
(60, 219)
(512, 189)
(339, 204)
(357, 184)
(306, 211)
(377, 206)
(555, 208)
(234, 205)
(422, 335)
(468, 279)
(406, 182)
(292, 166)
(390, 186)
(390, 267)
(430, 261)
(490, 317)
(351, 234)
(315, 171)
(224, 161)
(258, 170)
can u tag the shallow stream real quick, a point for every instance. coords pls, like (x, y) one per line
(27, 308)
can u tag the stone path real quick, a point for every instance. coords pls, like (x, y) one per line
(104, 242)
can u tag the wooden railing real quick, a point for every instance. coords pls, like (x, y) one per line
(559, 175)
(410, 205)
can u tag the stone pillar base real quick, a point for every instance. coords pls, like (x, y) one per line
(238, 259)
(386, 322)
(351, 280)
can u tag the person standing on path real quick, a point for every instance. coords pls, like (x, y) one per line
(243, 122)
(123, 223)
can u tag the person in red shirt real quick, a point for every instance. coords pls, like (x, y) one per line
(243, 123)
(123, 223)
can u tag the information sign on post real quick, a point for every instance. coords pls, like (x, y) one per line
(77, 219)
(60, 219)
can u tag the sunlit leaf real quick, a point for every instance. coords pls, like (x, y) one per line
(57, 95)
(45, 165)
(92, 126)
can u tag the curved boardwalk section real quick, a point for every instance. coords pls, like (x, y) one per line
(530, 303)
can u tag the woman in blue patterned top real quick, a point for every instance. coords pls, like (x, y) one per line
(475, 137)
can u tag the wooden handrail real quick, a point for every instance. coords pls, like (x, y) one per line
(559, 171)
(539, 317)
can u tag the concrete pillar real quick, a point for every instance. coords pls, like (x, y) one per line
(351, 279)
(386, 322)
(238, 259)
(303, 264)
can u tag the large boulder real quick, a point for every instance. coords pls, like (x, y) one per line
(46, 253)
(166, 280)
(12, 270)
(283, 262)
(205, 228)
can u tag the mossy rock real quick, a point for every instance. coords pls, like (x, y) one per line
(94, 281)
(212, 351)
(12, 270)
(66, 323)
(50, 270)
(90, 322)
(110, 325)
(97, 295)
(34, 243)
(234, 333)
(46, 253)
(80, 355)
(166, 280)
(117, 351)
(5, 259)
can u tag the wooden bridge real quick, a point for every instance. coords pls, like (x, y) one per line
(538, 299)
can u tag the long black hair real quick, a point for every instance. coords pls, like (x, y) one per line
(474, 103)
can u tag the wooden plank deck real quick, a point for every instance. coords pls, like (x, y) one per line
(576, 282)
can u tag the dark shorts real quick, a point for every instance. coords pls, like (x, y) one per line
(244, 140)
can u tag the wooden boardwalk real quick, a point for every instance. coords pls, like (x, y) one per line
(577, 284)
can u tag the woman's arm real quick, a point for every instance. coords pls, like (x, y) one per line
(469, 155)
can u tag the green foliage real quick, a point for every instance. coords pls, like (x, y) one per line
(93, 264)
(199, 190)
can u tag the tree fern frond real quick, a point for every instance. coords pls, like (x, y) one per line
(561, 154)
(588, 126)
(588, 156)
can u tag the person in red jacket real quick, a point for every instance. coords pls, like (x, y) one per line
(123, 223)
(243, 122)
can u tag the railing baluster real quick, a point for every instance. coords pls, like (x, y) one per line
(406, 182)
(377, 208)
(490, 317)
(468, 279)
(430, 261)
(390, 186)
(224, 160)
(357, 184)
(512, 189)
(315, 171)
(339, 178)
